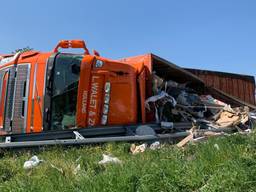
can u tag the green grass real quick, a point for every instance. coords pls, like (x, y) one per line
(200, 167)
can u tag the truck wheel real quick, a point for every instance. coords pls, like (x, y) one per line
(145, 130)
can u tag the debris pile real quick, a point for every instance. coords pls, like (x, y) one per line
(174, 102)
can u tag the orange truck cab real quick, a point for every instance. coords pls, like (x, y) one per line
(55, 91)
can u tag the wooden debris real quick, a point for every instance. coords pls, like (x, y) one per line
(184, 141)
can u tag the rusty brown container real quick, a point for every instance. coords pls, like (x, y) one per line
(240, 86)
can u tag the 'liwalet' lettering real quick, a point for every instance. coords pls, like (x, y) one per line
(93, 101)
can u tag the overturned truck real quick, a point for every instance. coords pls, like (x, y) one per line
(72, 99)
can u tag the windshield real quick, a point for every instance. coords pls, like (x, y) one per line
(64, 93)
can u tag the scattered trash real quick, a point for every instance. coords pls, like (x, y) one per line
(32, 162)
(138, 149)
(109, 159)
(154, 146)
(77, 169)
(247, 131)
(216, 146)
(142, 148)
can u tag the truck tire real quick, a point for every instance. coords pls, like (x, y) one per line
(145, 130)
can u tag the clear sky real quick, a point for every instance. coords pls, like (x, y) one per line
(207, 34)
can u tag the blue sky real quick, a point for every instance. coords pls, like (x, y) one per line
(207, 34)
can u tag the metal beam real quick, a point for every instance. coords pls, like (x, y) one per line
(90, 132)
(29, 144)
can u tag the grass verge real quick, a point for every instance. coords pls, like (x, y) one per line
(220, 164)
